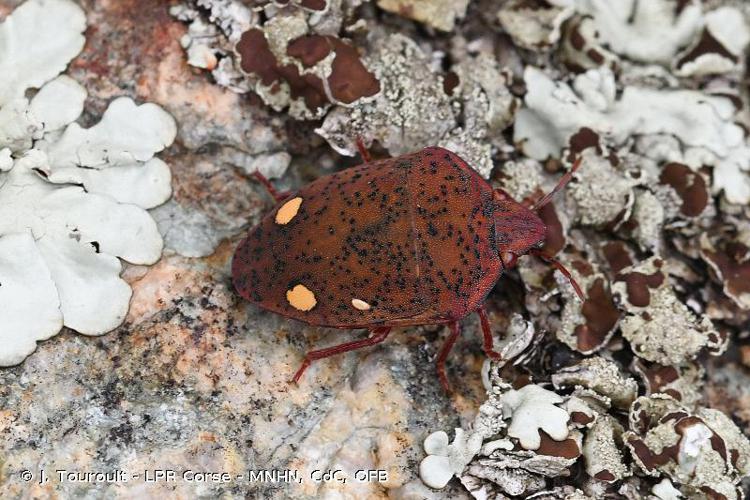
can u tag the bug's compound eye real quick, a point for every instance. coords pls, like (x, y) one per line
(499, 195)
(508, 258)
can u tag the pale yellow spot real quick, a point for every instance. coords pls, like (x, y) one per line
(300, 297)
(361, 305)
(288, 210)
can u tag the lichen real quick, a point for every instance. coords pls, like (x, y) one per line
(653, 311)
(72, 199)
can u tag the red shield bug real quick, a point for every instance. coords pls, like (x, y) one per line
(420, 239)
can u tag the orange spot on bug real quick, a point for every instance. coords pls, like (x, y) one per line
(301, 298)
(288, 211)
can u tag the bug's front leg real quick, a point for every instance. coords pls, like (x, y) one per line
(276, 194)
(378, 335)
(489, 345)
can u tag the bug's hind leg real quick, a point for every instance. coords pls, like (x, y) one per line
(378, 335)
(276, 194)
(488, 346)
(443, 354)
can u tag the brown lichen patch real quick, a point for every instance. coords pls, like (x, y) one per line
(567, 448)
(683, 382)
(581, 49)
(313, 4)
(580, 418)
(310, 49)
(450, 82)
(583, 268)
(348, 80)
(586, 327)
(583, 139)
(638, 285)
(601, 317)
(605, 475)
(657, 376)
(257, 59)
(681, 422)
(617, 255)
(730, 262)
(707, 44)
(689, 185)
(695, 448)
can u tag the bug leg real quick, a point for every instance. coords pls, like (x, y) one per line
(557, 265)
(277, 195)
(488, 345)
(378, 335)
(443, 354)
(363, 150)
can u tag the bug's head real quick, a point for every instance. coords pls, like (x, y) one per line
(519, 230)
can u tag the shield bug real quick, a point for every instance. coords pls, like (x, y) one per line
(420, 239)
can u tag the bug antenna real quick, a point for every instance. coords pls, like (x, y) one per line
(563, 181)
(558, 265)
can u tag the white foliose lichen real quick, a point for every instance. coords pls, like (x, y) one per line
(530, 410)
(690, 39)
(703, 123)
(651, 32)
(72, 200)
(444, 460)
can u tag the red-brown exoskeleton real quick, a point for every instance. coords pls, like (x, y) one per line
(416, 240)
